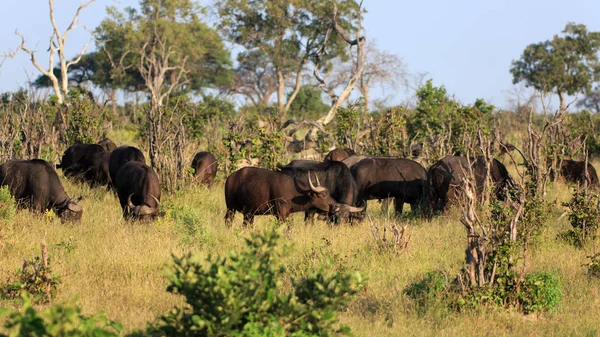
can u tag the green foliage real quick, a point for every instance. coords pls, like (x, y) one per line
(7, 204)
(593, 266)
(540, 292)
(565, 65)
(188, 222)
(440, 117)
(241, 294)
(584, 215)
(389, 138)
(55, 321)
(347, 124)
(35, 278)
(308, 104)
(268, 147)
(428, 292)
(177, 23)
(83, 121)
(211, 111)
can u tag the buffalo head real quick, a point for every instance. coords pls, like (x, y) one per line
(142, 211)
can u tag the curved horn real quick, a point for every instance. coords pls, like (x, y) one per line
(352, 209)
(147, 210)
(129, 203)
(157, 201)
(316, 189)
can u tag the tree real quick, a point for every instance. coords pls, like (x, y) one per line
(308, 103)
(58, 41)
(591, 101)
(287, 33)
(255, 77)
(565, 65)
(174, 52)
(382, 68)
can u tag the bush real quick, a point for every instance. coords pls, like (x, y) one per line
(7, 205)
(241, 295)
(540, 292)
(36, 278)
(428, 292)
(594, 265)
(57, 320)
(584, 214)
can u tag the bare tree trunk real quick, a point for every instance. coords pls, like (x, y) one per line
(280, 92)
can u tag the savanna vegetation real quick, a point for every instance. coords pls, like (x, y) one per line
(162, 79)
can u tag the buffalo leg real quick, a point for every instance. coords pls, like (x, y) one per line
(385, 205)
(229, 217)
(309, 217)
(398, 205)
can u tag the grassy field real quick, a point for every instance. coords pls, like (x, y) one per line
(108, 264)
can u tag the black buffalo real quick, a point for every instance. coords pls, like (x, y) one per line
(205, 167)
(255, 191)
(35, 184)
(335, 176)
(339, 154)
(447, 174)
(138, 189)
(107, 144)
(122, 155)
(574, 172)
(78, 160)
(404, 180)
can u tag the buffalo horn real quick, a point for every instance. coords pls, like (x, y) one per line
(129, 203)
(316, 189)
(352, 209)
(146, 210)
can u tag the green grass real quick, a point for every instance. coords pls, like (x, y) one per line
(108, 264)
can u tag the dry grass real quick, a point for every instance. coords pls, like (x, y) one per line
(111, 265)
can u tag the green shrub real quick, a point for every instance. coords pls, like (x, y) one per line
(241, 294)
(594, 265)
(428, 292)
(584, 214)
(35, 278)
(7, 205)
(540, 292)
(188, 223)
(57, 320)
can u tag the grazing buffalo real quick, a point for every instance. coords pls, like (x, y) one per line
(404, 180)
(446, 176)
(120, 156)
(339, 154)
(138, 189)
(98, 173)
(335, 176)
(107, 144)
(35, 184)
(574, 172)
(205, 167)
(78, 160)
(255, 191)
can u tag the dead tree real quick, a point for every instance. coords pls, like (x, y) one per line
(57, 43)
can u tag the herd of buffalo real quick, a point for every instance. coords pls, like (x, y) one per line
(336, 189)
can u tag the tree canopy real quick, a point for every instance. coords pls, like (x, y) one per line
(565, 65)
(177, 24)
(288, 33)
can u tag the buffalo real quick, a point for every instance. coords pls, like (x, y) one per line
(138, 190)
(77, 160)
(205, 167)
(335, 176)
(447, 174)
(339, 154)
(35, 184)
(120, 156)
(107, 144)
(574, 172)
(255, 191)
(404, 180)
